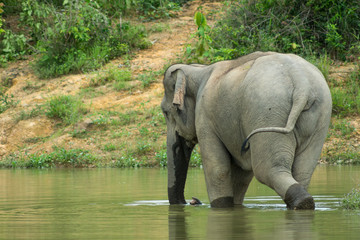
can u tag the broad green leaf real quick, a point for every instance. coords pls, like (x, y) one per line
(198, 17)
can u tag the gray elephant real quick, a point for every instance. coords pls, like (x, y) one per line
(264, 115)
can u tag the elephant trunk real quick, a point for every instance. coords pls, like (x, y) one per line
(178, 155)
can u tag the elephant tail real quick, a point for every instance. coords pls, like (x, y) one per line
(302, 100)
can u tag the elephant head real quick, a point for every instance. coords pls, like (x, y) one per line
(178, 106)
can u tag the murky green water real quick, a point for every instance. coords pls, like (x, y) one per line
(132, 204)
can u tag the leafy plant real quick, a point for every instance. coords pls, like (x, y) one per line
(201, 48)
(161, 157)
(351, 201)
(12, 46)
(67, 108)
(1, 20)
(79, 37)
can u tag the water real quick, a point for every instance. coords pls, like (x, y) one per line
(132, 204)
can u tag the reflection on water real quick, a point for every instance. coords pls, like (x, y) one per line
(132, 204)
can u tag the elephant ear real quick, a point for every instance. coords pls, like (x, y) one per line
(180, 88)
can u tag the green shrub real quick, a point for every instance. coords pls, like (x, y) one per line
(351, 201)
(66, 108)
(78, 37)
(12, 45)
(302, 27)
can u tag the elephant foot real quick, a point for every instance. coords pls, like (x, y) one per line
(297, 198)
(223, 202)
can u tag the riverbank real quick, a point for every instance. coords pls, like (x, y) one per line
(112, 117)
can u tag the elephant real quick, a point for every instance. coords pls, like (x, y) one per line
(265, 114)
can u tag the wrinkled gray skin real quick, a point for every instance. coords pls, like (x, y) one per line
(278, 105)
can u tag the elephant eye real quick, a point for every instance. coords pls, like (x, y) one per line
(166, 113)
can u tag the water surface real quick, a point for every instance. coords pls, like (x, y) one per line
(132, 204)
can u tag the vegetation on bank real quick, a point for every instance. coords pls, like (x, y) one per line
(351, 201)
(80, 158)
(62, 38)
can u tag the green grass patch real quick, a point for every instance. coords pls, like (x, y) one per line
(59, 157)
(147, 78)
(345, 157)
(341, 128)
(68, 109)
(346, 95)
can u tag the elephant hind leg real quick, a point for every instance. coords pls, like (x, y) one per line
(272, 160)
(306, 161)
(297, 198)
(241, 180)
(217, 168)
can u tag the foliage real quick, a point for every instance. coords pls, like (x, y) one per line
(201, 48)
(302, 27)
(147, 9)
(66, 108)
(351, 201)
(12, 46)
(12, 6)
(38, 16)
(1, 20)
(77, 36)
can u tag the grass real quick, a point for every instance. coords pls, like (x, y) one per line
(147, 78)
(122, 79)
(341, 128)
(6, 102)
(68, 109)
(344, 157)
(59, 157)
(36, 111)
(351, 201)
(346, 94)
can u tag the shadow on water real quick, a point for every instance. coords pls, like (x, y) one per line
(261, 217)
(242, 223)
